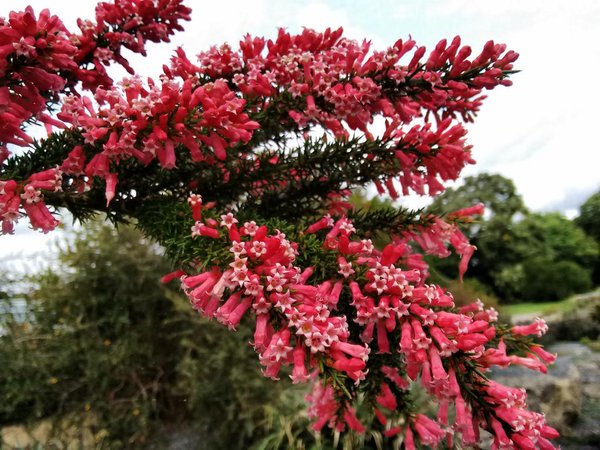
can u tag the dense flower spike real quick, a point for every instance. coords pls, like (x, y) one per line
(29, 196)
(40, 58)
(225, 149)
(299, 323)
(311, 79)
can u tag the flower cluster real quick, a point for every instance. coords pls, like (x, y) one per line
(28, 195)
(128, 24)
(263, 278)
(137, 121)
(34, 53)
(40, 58)
(341, 85)
(306, 324)
(435, 237)
(310, 79)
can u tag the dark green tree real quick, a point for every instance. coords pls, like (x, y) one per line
(554, 237)
(96, 339)
(549, 258)
(589, 216)
(497, 193)
(493, 234)
(539, 279)
(589, 221)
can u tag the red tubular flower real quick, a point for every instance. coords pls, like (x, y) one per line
(204, 230)
(260, 333)
(538, 327)
(352, 421)
(522, 442)
(40, 217)
(382, 337)
(321, 224)
(111, 184)
(529, 362)
(474, 210)
(428, 430)
(299, 373)
(386, 398)
(437, 368)
(234, 318)
(546, 357)
(171, 276)
(409, 441)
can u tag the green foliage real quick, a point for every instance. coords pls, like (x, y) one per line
(541, 279)
(378, 219)
(555, 237)
(497, 193)
(589, 221)
(535, 257)
(105, 340)
(549, 259)
(97, 340)
(589, 216)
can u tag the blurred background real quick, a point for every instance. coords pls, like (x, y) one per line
(96, 353)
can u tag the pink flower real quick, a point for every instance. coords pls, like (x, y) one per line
(538, 327)
(345, 267)
(428, 430)
(352, 421)
(386, 398)
(299, 373)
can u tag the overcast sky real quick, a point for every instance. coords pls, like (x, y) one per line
(541, 132)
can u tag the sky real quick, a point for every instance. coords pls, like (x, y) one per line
(541, 132)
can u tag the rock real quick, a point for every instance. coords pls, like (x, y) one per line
(67, 434)
(15, 437)
(570, 349)
(561, 401)
(558, 394)
(569, 395)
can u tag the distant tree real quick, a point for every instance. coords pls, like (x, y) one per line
(546, 257)
(540, 279)
(492, 234)
(497, 193)
(589, 221)
(96, 339)
(589, 216)
(554, 279)
(554, 237)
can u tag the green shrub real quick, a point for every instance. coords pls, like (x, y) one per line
(574, 329)
(545, 280)
(542, 280)
(102, 338)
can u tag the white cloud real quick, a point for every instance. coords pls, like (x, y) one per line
(541, 131)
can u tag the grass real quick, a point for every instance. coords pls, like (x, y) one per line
(559, 307)
(542, 309)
